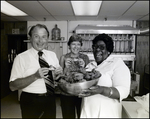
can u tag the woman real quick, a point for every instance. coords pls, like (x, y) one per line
(104, 99)
(72, 62)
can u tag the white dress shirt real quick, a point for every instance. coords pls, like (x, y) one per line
(27, 63)
(114, 74)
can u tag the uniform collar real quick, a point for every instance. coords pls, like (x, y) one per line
(108, 59)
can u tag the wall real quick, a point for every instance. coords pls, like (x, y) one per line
(142, 52)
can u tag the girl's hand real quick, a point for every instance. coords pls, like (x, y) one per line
(68, 62)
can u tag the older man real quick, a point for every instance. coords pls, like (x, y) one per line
(29, 75)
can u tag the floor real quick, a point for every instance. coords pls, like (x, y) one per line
(10, 107)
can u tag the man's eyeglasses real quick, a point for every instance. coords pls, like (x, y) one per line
(101, 47)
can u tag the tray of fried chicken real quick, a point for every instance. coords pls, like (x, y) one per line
(75, 81)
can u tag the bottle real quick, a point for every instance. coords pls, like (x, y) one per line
(56, 33)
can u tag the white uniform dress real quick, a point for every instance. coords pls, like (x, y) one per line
(114, 74)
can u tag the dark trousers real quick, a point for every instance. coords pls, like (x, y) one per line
(35, 106)
(70, 105)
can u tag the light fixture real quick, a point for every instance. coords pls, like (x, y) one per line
(10, 10)
(86, 8)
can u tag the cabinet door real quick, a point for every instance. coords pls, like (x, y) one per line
(15, 46)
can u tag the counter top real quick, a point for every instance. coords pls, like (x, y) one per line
(130, 109)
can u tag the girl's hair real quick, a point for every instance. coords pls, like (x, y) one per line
(75, 38)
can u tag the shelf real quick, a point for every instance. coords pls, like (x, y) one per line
(113, 40)
(123, 40)
(125, 57)
(97, 29)
(50, 41)
(16, 34)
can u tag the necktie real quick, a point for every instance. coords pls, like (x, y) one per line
(48, 80)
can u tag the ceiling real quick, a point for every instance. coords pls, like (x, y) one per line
(62, 11)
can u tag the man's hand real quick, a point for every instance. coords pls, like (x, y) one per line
(42, 73)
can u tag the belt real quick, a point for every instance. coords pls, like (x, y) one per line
(33, 94)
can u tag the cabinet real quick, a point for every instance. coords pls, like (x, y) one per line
(11, 45)
(10, 41)
(15, 46)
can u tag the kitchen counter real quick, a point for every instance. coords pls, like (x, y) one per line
(129, 109)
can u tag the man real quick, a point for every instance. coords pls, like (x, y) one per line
(29, 75)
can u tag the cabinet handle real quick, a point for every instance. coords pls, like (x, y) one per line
(8, 58)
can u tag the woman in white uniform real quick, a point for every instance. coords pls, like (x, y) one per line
(104, 99)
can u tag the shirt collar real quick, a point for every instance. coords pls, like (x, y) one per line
(35, 52)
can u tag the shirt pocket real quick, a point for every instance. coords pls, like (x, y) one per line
(31, 69)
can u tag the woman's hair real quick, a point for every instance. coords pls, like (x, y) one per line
(73, 38)
(106, 39)
(40, 26)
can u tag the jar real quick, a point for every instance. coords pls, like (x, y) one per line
(56, 33)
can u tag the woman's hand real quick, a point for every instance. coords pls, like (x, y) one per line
(68, 62)
(58, 71)
(91, 91)
(81, 62)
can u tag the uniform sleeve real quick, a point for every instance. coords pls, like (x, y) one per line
(121, 79)
(17, 68)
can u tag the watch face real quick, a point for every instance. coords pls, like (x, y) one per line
(111, 92)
